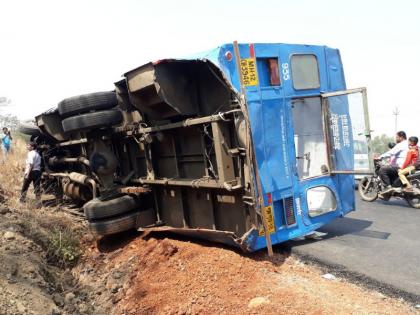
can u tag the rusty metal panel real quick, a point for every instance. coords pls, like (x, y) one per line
(134, 190)
(163, 90)
(231, 216)
(225, 169)
(200, 208)
(171, 206)
(189, 153)
(141, 78)
(51, 125)
(224, 237)
(164, 157)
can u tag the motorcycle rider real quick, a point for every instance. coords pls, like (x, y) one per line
(409, 164)
(398, 154)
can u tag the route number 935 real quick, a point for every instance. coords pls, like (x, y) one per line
(285, 71)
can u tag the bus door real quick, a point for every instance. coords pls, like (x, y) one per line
(347, 131)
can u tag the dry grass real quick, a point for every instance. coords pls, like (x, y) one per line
(55, 232)
(11, 175)
(11, 172)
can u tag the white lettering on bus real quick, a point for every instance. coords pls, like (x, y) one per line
(299, 208)
(335, 131)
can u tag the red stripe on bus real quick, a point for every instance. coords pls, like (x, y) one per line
(251, 51)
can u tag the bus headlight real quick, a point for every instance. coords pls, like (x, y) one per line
(321, 200)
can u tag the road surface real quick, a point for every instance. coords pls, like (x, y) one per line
(379, 241)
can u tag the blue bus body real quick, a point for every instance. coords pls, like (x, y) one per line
(247, 144)
(270, 113)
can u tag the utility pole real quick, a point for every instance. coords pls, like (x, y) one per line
(396, 112)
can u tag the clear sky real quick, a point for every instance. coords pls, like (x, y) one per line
(52, 49)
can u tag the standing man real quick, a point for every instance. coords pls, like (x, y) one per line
(32, 173)
(398, 153)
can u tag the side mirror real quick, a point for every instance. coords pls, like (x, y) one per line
(391, 145)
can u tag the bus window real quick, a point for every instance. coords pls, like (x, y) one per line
(361, 155)
(360, 147)
(310, 144)
(268, 71)
(305, 72)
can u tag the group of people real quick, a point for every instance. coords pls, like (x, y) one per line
(404, 159)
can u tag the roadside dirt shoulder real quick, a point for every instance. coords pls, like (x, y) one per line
(129, 274)
(168, 276)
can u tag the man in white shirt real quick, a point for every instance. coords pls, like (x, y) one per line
(397, 154)
(32, 173)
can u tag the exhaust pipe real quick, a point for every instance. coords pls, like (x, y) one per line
(80, 179)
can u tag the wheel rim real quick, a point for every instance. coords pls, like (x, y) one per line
(368, 188)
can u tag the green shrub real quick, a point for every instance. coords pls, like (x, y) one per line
(60, 242)
(63, 247)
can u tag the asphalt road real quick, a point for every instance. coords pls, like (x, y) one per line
(379, 241)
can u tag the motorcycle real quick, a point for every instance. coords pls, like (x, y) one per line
(371, 187)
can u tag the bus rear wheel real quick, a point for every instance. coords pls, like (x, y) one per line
(94, 120)
(87, 102)
(117, 224)
(100, 208)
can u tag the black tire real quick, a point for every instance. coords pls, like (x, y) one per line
(100, 208)
(368, 189)
(414, 200)
(124, 222)
(87, 102)
(29, 129)
(95, 120)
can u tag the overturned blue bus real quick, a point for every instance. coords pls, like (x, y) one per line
(247, 144)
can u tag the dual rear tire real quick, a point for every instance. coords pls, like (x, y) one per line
(87, 102)
(96, 111)
(89, 111)
(113, 215)
(94, 120)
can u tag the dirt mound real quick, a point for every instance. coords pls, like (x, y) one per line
(166, 276)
